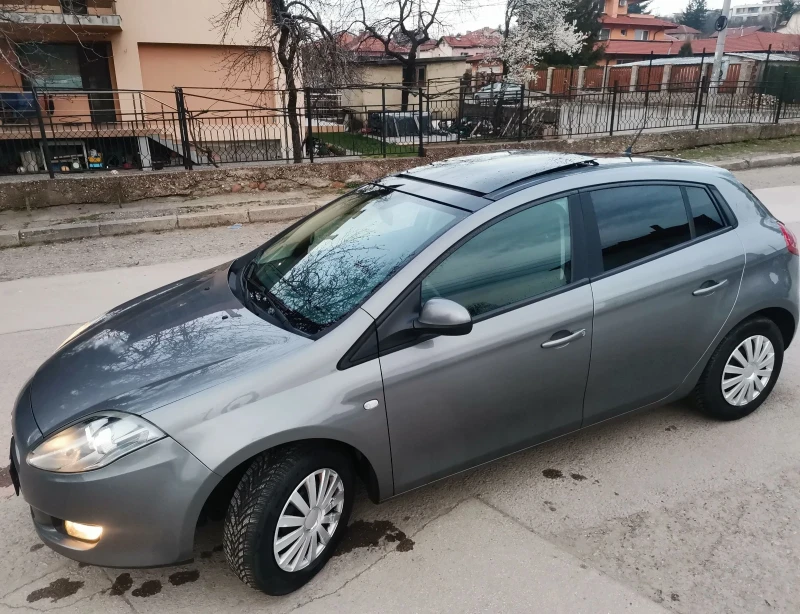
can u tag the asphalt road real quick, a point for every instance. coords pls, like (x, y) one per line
(657, 511)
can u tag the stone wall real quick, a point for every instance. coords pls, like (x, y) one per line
(130, 187)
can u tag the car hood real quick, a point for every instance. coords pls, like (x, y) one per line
(156, 349)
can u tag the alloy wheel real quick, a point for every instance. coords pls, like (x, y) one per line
(308, 520)
(748, 370)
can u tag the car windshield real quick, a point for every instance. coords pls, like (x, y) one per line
(317, 273)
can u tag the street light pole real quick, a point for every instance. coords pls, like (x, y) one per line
(716, 71)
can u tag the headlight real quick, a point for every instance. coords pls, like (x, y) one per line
(94, 442)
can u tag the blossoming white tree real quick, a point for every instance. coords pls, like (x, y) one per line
(540, 27)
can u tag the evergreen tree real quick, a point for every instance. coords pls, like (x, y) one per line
(639, 8)
(686, 50)
(694, 15)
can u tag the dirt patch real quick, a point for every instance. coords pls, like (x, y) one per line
(364, 534)
(36, 547)
(577, 477)
(121, 585)
(5, 478)
(147, 589)
(182, 577)
(552, 474)
(57, 589)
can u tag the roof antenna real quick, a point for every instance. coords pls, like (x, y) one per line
(629, 149)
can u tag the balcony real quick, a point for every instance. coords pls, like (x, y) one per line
(85, 15)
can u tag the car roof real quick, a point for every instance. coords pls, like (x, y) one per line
(484, 178)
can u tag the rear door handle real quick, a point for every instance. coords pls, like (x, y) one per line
(562, 341)
(709, 289)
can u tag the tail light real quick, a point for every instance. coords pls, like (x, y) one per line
(791, 240)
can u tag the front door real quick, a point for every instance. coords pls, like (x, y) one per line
(518, 377)
(671, 270)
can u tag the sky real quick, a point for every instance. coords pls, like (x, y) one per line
(490, 13)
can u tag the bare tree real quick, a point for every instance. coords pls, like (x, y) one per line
(292, 30)
(402, 27)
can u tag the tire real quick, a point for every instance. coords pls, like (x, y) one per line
(260, 499)
(708, 394)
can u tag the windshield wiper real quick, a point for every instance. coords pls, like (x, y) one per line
(260, 293)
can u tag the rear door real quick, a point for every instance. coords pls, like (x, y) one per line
(667, 272)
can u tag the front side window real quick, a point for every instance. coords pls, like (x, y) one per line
(324, 268)
(604, 34)
(642, 35)
(53, 66)
(522, 256)
(639, 221)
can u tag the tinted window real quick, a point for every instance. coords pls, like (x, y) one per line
(334, 259)
(636, 222)
(517, 258)
(706, 217)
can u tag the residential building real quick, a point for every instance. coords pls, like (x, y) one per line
(618, 24)
(107, 69)
(765, 11)
(757, 41)
(683, 33)
(477, 42)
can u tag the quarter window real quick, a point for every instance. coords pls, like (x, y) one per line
(706, 216)
(637, 222)
(518, 258)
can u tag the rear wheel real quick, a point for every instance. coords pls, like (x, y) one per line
(287, 516)
(742, 371)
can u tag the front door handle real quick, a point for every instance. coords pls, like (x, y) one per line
(562, 341)
(709, 289)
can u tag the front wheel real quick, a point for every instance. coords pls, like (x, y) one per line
(742, 371)
(287, 516)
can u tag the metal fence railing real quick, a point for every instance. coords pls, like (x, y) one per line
(69, 131)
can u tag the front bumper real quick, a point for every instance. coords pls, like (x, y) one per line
(147, 502)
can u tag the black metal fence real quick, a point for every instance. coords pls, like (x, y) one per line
(71, 131)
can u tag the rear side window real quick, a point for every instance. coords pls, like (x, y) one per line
(706, 216)
(638, 221)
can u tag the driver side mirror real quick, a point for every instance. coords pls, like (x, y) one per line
(442, 316)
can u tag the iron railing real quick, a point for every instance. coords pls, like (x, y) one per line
(88, 130)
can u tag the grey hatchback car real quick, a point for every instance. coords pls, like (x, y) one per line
(416, 327)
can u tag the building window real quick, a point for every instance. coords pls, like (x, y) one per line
(641, 35)
(604, 34)
(420, 75)
(74, 7)
(623, 2)
(54, 66)
(623, 32)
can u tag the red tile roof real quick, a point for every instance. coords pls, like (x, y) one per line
(682, 30)
(740, 31)
(645, 22)
(486, 37)
(366, 45)
(618, 47)
(757, 41)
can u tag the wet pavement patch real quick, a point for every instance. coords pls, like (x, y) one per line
(182, 577)
(364, 534)
(5, 478)
(122, 584)
(147, 589)
(552, 474)
(550, 506)
(36, 547)
(58, 589)
(577, 476)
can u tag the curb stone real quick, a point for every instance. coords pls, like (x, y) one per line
(61, 232)
(67, 232)
(145, 224)
(759, 162)
(9, 238)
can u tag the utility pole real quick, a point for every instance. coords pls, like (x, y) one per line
(716, 71)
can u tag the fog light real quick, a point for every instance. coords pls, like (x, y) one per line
(86, 532)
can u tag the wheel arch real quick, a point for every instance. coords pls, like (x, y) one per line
(216, 502)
